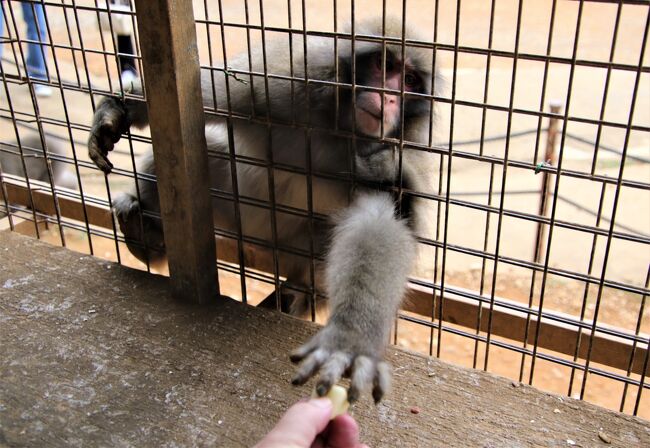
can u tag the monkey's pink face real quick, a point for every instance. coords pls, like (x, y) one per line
(368, 113)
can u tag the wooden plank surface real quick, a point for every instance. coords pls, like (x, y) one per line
(96, 354)
(173, 88)
(507, 323)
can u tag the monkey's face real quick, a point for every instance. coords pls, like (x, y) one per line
(374, 107)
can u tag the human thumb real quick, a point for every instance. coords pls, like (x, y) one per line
(300, 425)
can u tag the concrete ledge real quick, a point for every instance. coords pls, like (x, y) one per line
(96, 354)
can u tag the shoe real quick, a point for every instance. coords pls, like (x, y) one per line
(128, 76)
(42, 90)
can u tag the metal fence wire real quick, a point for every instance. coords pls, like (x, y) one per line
(533, 258)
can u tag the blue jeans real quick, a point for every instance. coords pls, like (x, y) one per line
(36, 31)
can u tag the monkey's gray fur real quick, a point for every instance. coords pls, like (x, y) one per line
(36, 164)
(369, 248)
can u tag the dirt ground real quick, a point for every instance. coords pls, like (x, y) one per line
(570, 249)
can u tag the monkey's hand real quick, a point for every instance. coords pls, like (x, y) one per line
(109, 123)
(337, 351)
(366, 272)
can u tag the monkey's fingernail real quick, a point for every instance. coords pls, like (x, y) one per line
(377, 394)
(353, 394)
(322, 389)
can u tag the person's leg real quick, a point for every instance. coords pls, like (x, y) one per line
(2, 26)
(34, 17)
(122, 28)
(125, 48)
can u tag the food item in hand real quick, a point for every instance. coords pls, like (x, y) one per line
(339, 398)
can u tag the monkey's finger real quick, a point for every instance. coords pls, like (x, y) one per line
(98, 141)
(100, 160)
(382, 381)
(363, 372)
(104, 164)
(331, 371)
(299, 354)
(309, 366)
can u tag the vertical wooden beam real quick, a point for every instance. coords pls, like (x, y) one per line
(173, 88)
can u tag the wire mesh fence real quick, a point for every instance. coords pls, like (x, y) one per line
(533, 257)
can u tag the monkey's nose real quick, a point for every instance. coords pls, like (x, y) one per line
(390, 99)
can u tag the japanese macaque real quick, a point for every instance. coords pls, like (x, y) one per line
(11, 162)
(335, 147)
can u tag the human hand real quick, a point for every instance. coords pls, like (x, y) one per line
(307, 425)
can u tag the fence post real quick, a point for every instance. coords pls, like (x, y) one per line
(550, 158)
(173, 88)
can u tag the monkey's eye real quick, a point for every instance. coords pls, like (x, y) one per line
(390, 65)
(410, 80)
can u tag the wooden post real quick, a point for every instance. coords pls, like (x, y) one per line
(173, 88)
(549, 157)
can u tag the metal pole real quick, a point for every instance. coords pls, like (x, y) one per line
(549, 160)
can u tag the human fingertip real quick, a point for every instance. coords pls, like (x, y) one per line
(323, 403)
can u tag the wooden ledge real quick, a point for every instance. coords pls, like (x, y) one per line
(506, 321)
(96, 354)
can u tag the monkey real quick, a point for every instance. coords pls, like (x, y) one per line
(11, 162)
(340, 132)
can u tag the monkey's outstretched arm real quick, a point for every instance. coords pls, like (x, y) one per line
(112, 118)
(366, 274)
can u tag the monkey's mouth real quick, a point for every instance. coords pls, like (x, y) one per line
(368, 122)
(377, 115)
